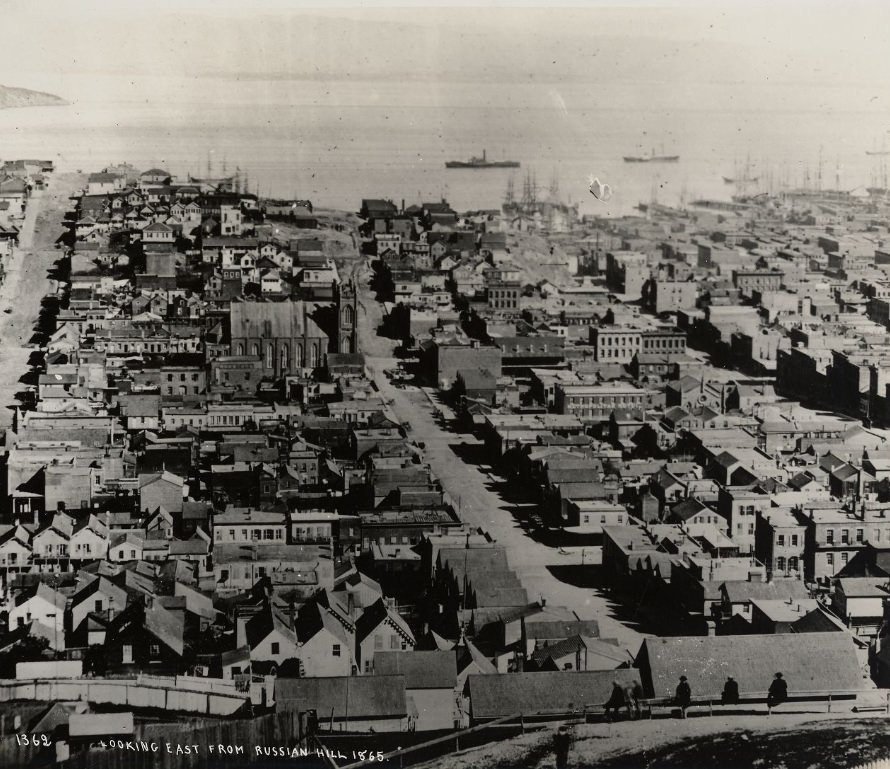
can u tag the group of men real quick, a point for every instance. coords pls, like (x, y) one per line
(629, 696)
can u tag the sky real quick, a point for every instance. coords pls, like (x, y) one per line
(786, 42)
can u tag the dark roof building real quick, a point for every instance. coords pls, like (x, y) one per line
(809, 662)
(542, 694)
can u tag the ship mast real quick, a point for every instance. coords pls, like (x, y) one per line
(508, 196)
(554, 185)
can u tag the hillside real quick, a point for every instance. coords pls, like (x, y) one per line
(791, 740)
(22, 97)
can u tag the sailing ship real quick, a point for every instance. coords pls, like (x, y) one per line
(482, 162)
(742, 176)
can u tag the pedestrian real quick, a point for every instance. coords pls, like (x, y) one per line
(630, 701)
(683, 696)
(562, 741)
(616, 700)
(730, 692)
(778, 691)
(638, 698)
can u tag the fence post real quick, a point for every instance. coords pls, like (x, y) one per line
(522, 723)
(829, 702)
(710, 707)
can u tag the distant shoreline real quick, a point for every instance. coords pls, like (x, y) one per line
(11, 98)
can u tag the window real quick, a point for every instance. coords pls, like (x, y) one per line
(829, 536)
(98, 605)
(845, 557)
(336, 650)
(794, 540)
(845, 536)
(829, 559)
(780, 564)
(133, 555)
(278, 534)
(792, 563)
(224, 575)
(127, 653)
(860, 535)
(780, 540)
(154, 650)
(276, 647)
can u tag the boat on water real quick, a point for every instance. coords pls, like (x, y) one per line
(882, 150)
(653, 158)
(482, 162)
(729, 180)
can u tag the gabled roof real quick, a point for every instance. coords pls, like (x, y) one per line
(166, 475)
(324, 612)
(99, 584)
(46, 593)
(166, 627)
(375, 615)
(688, 508)
(261, 625)
(599, 655)
(472, 656)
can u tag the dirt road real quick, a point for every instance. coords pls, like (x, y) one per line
(27, 281)
(479, 495)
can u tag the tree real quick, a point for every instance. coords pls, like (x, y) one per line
(29, 649)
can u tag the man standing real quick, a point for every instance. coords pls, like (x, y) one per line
(683, 696)
(562, 741)
(778, 692)
(730, 692)
(616, 700)
(638, 695)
